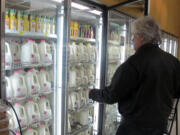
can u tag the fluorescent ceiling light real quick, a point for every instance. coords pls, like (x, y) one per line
(96, 12)
(79, 6)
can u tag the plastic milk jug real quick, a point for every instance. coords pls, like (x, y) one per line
(45, 80)
(30, 131)
(20, 110)
(69, 123)
(8, 56)
(43, 129)
(83, 98)
(32, 110)
(11, 119)
(72, 77)
(18, 85)
(45, 52)
(75, 100)
(32, 82)
(15, 51)
(83, 117)
(30, 53)
(45, 109)
(9, 91)
(80, 52)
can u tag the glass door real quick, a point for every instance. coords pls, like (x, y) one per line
(82, 67)
(30, 64)
(119, 48)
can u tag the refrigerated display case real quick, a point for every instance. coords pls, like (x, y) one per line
(30, 64)
(169, 43)
(119, 48)
(82, 66)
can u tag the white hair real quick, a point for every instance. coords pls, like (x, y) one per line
(148, 29)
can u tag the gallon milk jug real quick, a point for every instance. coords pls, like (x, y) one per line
(8, 56)
(83, 117)
(83, 98)
(18, 85)
(45, 109)
(32, 82)
(32, 110)
(15, 51)
(80, 52)
(72, 77)
(11, 119)
(72, 52)
(43, 130)
(45, 52)
(45, 80)
(69, 123)
(21, 115)
(75, 100)
(9, 91)
(30, 131)
(30, 53)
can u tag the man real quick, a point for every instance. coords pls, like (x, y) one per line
(143, 86)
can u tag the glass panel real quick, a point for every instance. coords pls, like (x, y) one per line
(30, 33)
(119, 49)
(85, 31)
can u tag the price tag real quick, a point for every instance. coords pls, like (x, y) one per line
(21, 33)
(46, 35)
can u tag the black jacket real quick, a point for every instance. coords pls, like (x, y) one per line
(144, 87)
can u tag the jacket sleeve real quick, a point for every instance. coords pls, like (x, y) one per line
(177, 88)
(123, 82)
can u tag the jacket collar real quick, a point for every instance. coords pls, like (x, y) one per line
(147, 45)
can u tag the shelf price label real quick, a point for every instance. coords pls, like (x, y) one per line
(21, 33)
(46, 35)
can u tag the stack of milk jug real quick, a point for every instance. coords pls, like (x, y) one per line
(29, 53)
(30, 112)
(23, 84)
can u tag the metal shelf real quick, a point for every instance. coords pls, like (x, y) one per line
(32, 35)
(111, 61)
(75, 89)
(83, 128)
(92, 40)
(37, 124)
(83, 108)
(113, 42)
(26, 65)
(81, 63)
(42, 93)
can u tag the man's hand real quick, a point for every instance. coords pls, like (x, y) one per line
(89, 89)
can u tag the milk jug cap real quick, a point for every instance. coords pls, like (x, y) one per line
(42, 97)
(80, 43)
(30, 100)
(16, 71)
(30, 40)
(73, 43)
(42, 69)
(17, 133)
(17, 103)
(42, 124)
